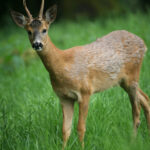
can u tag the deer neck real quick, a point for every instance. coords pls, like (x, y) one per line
(50, 56)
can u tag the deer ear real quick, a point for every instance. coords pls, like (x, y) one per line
(18, 18)
(51, 13)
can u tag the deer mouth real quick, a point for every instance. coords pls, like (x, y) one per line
(38, 49)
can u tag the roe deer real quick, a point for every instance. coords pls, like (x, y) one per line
(78, 72)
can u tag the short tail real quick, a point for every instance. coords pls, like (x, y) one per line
(145, 48)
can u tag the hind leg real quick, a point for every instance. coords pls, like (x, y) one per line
(144, 101)
(132, 90)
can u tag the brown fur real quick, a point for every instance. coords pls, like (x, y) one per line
(81, 71)
(72, 88)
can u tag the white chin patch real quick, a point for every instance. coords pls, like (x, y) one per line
(39, 49)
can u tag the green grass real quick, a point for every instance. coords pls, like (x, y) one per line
(30, 113)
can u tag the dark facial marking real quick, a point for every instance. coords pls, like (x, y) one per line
(29, 32)
(36, 23)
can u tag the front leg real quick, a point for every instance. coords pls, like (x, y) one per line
(83, 111)
(68, 109)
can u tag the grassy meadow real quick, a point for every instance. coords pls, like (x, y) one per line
(30, 113)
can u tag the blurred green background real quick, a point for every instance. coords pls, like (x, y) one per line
(30, 113)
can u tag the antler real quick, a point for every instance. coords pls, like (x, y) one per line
(41, 10)
(27, 10)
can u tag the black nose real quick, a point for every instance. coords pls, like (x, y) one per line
(37, 45)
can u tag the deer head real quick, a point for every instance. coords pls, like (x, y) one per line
(37, 28)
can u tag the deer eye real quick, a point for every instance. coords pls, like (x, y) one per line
(44, 31)
(29, 32)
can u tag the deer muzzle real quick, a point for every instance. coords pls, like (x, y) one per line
(37, 46)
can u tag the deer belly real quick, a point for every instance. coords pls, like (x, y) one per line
(102, 81)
